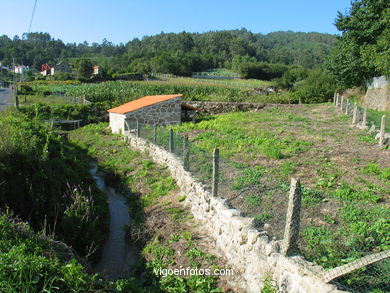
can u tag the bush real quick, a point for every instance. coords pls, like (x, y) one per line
(318, 87)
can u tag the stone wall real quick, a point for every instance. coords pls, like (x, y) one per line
(224, 107)
(250, 252)
(377, 99)
(163, 113)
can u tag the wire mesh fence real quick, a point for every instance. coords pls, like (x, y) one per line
(250, 189)
(365, 118)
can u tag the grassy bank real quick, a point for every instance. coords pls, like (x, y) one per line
(162, 227)
(46, 181)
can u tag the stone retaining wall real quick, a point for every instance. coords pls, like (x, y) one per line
(377, 99)
(250, 252)
(224, 107)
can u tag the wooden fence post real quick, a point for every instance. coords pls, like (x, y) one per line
(382, 132)
(155, 134)
(337, 100)
(186, 154)
(171, 142)
(354, 117)
(342, 103)
(214, 190)
(291, 231)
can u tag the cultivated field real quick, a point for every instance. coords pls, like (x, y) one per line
(345, 176)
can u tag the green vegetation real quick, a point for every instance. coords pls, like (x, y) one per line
(146, 185)
(30, 263)
(117, 161)
(261, 150)
(362, 51)
(46, 181)
(175, 53)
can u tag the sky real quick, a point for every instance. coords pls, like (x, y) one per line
(120, 21)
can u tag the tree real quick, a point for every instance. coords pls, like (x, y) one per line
(362, 51)
(83, 68)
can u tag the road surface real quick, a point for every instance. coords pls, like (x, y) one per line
(5, 98)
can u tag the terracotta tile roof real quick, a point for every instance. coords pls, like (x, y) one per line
(142, 102)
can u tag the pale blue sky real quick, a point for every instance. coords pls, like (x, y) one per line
(120, 20)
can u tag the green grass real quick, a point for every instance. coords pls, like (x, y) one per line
(124, 167)
(31, 264)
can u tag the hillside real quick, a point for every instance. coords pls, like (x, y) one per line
(173, 52)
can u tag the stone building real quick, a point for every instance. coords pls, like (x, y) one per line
(159, 110)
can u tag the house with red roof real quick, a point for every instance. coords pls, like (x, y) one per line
(152, 110)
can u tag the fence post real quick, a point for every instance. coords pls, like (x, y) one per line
(354, 117)
(334, 98)
(214, 190)
(291, 231)
(155, 134)
(346, 107)
(138, 129)
(342, 103)
(171, 142)
(337, 100)
(382, 132)
(364, 122)
(186, 154)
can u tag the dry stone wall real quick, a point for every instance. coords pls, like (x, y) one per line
(250, 252)
(224, 107)
(163, 113)
(377, 99)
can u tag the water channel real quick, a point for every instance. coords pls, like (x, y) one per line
(118, 256)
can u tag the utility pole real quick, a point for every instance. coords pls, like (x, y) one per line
(15, 86)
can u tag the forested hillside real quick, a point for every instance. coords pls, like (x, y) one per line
(177, 53)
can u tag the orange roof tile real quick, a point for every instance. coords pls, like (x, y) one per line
(142, 102)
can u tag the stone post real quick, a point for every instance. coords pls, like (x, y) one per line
(346, 107)
(291, 231)
(342, 103)
(171, 142)
(186, 154)
(214, 190)
(155, 134)
(382, 132)
(337, 100)
(354, 117)
(138, 129)
(364, 122)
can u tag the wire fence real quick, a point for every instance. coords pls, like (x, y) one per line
(267, 200)
(362, 117)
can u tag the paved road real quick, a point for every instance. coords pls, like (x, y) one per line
(5, 98)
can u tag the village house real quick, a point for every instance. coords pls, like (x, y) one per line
(152, 110)
(97, 70)
(46, 69)
(21, 69)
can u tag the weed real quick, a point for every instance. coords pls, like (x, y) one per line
(181, 198)
(177, 213)
(253, 200)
